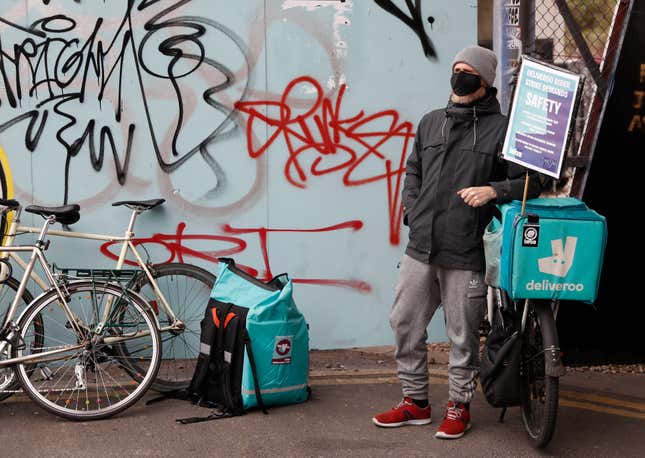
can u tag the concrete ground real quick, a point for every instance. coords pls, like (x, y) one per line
(600, 415)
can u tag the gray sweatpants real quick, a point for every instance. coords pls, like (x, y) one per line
(420, 290)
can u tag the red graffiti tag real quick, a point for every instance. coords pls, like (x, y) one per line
(175, 245)
(339, 144)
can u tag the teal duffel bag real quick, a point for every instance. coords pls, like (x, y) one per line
(278, 331)
(554, 251)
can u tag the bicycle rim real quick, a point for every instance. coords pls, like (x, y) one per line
(187, 289)
(539, 391)
(94, 381)
(8, 381)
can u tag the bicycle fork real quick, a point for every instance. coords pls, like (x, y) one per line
(550, 342)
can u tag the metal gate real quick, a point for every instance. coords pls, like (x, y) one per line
(583, 36)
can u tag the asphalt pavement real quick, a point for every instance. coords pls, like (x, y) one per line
(600, 415)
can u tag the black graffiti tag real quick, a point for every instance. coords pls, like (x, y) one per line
(59, 67)
(414, 21)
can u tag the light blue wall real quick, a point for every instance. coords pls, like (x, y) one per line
(249, 51)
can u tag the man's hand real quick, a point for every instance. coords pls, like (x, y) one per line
(477, 196)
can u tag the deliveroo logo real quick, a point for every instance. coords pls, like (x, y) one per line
(562, 259)
(558, 265)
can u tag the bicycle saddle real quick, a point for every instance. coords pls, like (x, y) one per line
(140, 204)
(10, 204)
(66, 214)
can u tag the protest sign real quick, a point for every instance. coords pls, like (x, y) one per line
(544, 105)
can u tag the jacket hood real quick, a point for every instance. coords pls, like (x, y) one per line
(459, 113)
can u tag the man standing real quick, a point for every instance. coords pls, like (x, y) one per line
(454, 176)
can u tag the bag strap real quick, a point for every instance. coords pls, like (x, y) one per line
(497, 213)
(219, 414)
(279, 281)
(248, 277)
(254, 371)
(229, 261)
(215, 415)
(201, 370)
(532, 218)
(222, 320)
(218, 356)
(182, 394)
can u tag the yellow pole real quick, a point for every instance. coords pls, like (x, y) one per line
(6, 171)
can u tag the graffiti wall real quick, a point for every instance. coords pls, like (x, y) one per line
(277, 131)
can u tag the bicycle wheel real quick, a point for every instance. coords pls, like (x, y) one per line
(8, 380)
(539, 392)
(187, 289)
(89, 379)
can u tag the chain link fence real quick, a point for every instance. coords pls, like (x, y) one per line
(574, 34)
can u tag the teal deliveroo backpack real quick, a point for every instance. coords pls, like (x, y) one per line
(554, 251)
(217, 379)
(278, 333)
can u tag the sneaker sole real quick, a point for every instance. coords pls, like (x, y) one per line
(442, 435)
(419, 422)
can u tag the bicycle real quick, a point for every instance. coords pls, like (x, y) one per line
(68, 347)
(540, 362)
(187, 285)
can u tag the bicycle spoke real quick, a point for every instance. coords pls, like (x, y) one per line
(97, 380)
(187, 290)
(98, 395)
(41, 386)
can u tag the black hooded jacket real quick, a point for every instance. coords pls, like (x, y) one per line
(455, 148)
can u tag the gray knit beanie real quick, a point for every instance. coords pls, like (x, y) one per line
(481, 59)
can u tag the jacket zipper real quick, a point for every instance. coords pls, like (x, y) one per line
(443, 162)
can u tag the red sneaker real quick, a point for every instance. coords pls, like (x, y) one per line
(405, 413)
(455, 423)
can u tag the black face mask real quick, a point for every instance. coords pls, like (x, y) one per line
(465, 83)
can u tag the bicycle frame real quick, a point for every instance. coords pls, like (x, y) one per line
(8, 327)
(127, 245)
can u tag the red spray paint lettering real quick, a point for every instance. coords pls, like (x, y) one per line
(340, 144)
(175, 245)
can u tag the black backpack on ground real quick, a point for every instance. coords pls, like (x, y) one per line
(500, 362)
(217, 379)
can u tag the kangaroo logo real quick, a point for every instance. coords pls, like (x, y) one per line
(562, 259)
(283, 347)
(282, 350)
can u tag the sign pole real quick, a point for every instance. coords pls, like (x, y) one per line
(526, 191)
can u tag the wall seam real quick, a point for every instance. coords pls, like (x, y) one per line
(266, 126)
(32, 196)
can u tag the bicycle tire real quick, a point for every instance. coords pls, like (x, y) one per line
(90, 397)
(9, 383)
(539, 392)
(187, 288)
